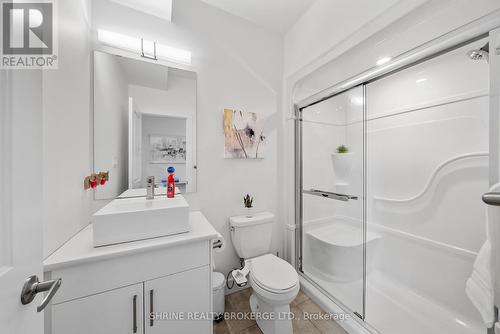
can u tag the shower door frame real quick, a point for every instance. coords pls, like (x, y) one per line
(299, 202)
(476, 30)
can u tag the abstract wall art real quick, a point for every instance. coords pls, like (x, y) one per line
(243, 135)
(167, 149)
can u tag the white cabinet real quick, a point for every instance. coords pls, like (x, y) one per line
(104, 313)
(179, 303)
(103, 288)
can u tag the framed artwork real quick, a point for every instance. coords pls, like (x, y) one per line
(167, 149)
(243, 136)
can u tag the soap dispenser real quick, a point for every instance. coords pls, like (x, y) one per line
(171, 182)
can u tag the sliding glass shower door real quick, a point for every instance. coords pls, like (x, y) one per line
(332, 234)
(427, 152)
(389, 182)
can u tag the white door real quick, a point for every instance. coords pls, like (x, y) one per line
(116, 311)
(134, 146)
(183, 298)
(494, 60)
(20, 197)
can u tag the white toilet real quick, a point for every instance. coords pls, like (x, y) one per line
(274, 281)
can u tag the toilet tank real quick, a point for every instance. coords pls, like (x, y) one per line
(252, 236)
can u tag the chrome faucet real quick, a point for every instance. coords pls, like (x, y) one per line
(150, 182)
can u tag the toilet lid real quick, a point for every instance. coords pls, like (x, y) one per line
(273, 273)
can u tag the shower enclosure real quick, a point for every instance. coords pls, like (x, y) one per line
(389, 178)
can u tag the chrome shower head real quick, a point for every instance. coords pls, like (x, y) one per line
(480, 54)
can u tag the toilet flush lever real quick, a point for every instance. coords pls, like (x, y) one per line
(32, 286)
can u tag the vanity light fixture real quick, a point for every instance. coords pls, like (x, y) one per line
(147, 49)
(118, 40)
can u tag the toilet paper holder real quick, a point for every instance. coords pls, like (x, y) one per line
(219, 243)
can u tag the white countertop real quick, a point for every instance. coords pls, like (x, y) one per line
(79, 249)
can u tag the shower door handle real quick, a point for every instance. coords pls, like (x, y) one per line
(331, 195)
(492, 199)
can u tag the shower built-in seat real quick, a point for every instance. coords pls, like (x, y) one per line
(336, 250)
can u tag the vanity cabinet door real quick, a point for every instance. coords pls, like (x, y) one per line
(179, 301)
(111, 312)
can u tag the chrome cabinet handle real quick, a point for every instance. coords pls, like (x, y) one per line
(151, 321)
(134, 314)
(32, 286)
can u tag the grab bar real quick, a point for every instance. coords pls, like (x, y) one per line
(328, 194)
(492, 199)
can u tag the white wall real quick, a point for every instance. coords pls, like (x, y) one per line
(239, 65)
(179, 99)
(325, 25)
(110, 124)
(66, 129)
(328, 25)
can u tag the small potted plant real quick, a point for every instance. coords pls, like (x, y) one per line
(342, 149)
(342, 162)
(248, 202)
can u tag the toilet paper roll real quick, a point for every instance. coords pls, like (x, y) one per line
(219, 244)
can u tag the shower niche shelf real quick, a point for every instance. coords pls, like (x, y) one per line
(342, 165)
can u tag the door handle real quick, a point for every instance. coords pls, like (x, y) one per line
(32, 286)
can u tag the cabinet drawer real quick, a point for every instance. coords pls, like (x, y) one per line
(94, 277)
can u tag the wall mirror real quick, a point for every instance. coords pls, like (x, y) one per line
(144, 122)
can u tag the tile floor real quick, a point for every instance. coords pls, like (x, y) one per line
(238, 302)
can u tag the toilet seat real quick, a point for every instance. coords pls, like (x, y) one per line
(273, 274)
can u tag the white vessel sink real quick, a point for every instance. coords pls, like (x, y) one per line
(131, 219)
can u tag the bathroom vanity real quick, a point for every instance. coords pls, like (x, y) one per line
(114, 289)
